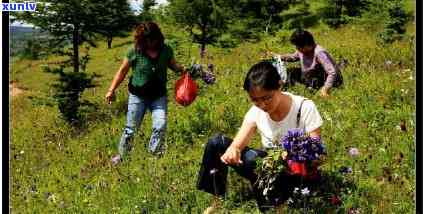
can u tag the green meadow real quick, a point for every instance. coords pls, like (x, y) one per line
(57, 168)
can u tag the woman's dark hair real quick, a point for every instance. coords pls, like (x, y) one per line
(263, 75)
(302, 38)
(147, 30)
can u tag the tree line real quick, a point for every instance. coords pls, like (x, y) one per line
(72, 23)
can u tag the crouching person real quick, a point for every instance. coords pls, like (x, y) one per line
(273, 113)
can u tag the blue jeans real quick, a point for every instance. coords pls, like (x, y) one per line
(136, 111)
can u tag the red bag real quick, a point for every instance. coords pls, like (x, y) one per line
(185, 90)
(297, 168)
(300, 168)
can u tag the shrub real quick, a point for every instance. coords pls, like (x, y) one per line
(395, 24)
(68, 90)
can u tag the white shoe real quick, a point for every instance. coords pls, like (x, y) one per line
(216, 205)
(210, 210)
(116, 160)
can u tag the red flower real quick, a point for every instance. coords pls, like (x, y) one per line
(335, 200)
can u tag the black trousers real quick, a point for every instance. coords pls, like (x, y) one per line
(212, 177)
(316, 80)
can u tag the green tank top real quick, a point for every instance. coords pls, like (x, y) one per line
(145, 69)
(149, 77)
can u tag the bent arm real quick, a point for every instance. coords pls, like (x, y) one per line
(315, 133)
(244, 135)
(290, 57)
(120, 75)
(175, 66)
(330, 68)
(232, 154)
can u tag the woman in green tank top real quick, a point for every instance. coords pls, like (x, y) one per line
(149, 59)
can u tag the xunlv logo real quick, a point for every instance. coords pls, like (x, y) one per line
(25, 6)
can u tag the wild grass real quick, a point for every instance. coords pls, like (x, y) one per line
(55, 168)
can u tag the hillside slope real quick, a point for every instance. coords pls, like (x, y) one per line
(55, 168)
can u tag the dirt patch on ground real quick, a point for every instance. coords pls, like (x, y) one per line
(14, 90)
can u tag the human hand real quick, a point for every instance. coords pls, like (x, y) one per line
(232, 156)
(284, 155)
(324, 92)
(110, 96)
(271, 54)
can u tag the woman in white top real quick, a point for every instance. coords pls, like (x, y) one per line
(272, 115)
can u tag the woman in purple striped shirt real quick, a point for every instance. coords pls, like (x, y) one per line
(318, 68)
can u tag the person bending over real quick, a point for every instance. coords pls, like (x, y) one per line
(272, 114)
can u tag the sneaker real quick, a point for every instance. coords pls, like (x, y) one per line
(160, 151)
(116, 160)
(215, 207)
(210, 210)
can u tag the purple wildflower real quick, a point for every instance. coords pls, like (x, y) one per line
(301, 147)
(208, 77)
(116, 160)
(345, 170)
(354, 152)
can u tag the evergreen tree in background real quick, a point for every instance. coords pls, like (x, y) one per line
(67, 21)
(148, 4)
(31, 49)
(301, 18)
(332, 13)
(228, 22)
(75, 22)
(116, 19)
(259, 16)
(146, 10)
(205, 19)
(338, 12)
(394, 26)
(354, 8)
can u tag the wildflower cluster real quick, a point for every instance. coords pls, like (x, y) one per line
(270, 167)
(299, 196)
(301, 147)
(207, 76)
(296, 146)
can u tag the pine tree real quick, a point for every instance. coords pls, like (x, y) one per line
(394, 26)
(66, 21)
(337, 12)
(116, 19)
(146, 14)
(75, 22)
(148, 4)
(206, 20)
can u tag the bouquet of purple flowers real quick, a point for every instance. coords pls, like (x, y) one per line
(207, 76)
(301, 147)
(302, 151)
(294, 155)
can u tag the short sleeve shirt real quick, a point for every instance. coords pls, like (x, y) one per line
(272, 131)
(145, 69)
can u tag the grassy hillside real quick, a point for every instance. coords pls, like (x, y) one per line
(55, 168)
